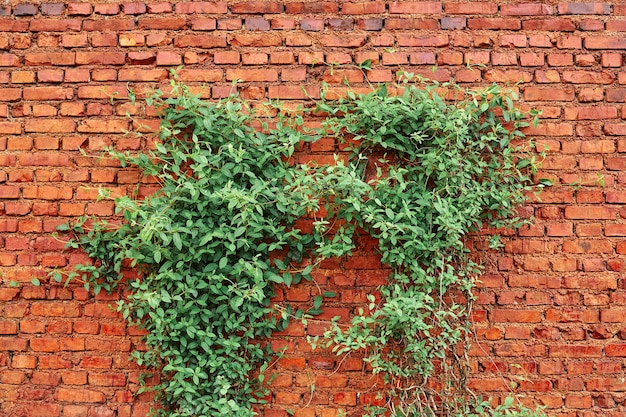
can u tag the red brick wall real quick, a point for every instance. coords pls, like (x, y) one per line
(551, 316)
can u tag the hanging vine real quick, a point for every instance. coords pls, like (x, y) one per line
(212, 245)
(448, 169)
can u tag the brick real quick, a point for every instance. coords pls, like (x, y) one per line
(292, 92)
(615, 350)
(508, 76)
(107, 380)
(266, 7)
(588, 77)
(475, 8)
(587, 246)
(584, 8)
(254, 58)
(202, 7)
(107, 92)
(531, 59)
(55, 25)
(9, 60)
(526, 9)
(100, 58)
(282, 58)
(7, 25)
(134, 8)
(517, 41)
(106, 9)
(421, 41)
(256, 40)
(361, 8)
(141, 58)
(230, 24)
(494, 23)
(611, 60)
(555, 25)
(615, 26)
(79, 396)
(575, 351)
(131, 39)
(415, 7)
(10, 128)
(23, 362)
(203, 24)
(109, 25)
(453, 23)
(615, 197)
(96, 362)
(15, 344)
(516, 316)
(80, 9)
(279, 23)
(560, 60)
(548, 94)
(591, 113)
(25, 9)
(60, 58)
(47, 93)
(44, 344)
(200, 41)
(165, 23)
(315, 25)
(504, 58)
(168, 58)
(210, 75)
(616, 95)
(311, 8)
(248, 75)
(612, 316)
(603, 42)
(142, 75)
(163, 7)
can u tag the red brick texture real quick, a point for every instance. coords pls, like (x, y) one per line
(551, 316)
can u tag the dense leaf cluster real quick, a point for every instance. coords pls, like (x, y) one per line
(212, 245)
(447, 169)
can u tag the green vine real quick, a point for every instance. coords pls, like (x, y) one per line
(225, 230)
(448, 169)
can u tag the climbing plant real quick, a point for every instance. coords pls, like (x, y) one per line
(211, 246)
(442, 170)
(224, 231)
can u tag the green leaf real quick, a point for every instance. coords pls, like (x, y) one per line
(317, 302)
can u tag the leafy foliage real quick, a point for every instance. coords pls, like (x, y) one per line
(447, 170)
(211, 246)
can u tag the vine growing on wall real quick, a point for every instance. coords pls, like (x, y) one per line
(223, 232)
(443, 170)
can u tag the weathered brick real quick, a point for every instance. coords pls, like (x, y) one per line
(162, 23)
(55, 25)
(251, 75)
(200, 41)
(79, 396)
(100, 58)
(526, 9)
(548, 94)
(415, 7)
(516, 316)
(588, 77)
(584, 8)
(477, 8)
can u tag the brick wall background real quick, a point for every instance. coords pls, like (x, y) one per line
(551, 315)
